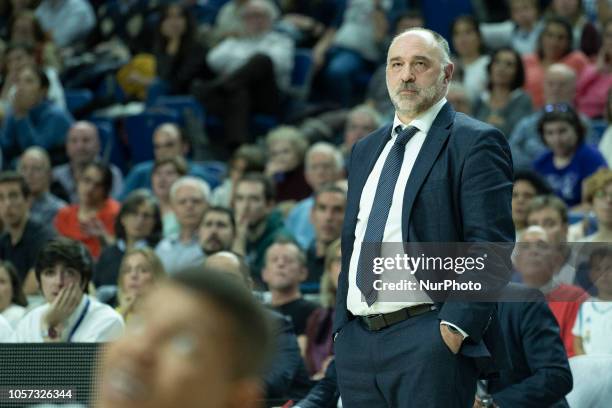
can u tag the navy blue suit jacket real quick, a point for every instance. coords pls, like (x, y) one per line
(541, 375)
(459, 190)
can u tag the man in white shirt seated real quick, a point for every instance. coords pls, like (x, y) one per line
(63, 271)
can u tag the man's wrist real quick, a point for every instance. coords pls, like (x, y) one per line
(454, 329)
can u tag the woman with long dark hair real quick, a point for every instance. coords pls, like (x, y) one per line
(470, 55)
(137, 225)
(12, 300)
(179, 57)
(554, 45)
(504, 103)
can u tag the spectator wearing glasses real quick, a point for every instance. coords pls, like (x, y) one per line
(559, 88)
(569, 160)
(137, 225)
(92, 220)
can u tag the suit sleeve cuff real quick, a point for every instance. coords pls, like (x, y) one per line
(463, 333)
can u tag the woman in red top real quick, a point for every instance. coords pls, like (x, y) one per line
(92, 220)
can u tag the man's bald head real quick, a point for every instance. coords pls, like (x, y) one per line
(436, 40)
(35, 167)
(534, 233)
(168, 142)
(559, 84)
(38, 154)
(83, 143)
(229, 262)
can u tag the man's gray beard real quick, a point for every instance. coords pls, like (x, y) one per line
(429, 101)
(432, 94)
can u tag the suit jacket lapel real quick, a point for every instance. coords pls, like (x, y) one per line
(376, 144)
(433, 144)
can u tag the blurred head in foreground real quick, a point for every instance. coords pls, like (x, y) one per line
(199, 340)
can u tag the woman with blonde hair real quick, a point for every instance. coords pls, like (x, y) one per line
(598, 193)
(286, 147)
(140, 270)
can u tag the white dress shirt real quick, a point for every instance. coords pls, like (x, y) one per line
(177, 255)
(393, 227)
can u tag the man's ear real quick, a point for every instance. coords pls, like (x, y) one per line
(449, 69)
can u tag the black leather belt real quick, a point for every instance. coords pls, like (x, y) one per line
(380, 321)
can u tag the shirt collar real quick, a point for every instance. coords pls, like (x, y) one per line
(175, 239)
(422, 122)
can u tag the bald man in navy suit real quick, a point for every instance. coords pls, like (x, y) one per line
(434, 175)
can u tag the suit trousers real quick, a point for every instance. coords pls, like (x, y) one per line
(404, 365)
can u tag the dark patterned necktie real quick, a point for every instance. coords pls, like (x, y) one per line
(380, 212)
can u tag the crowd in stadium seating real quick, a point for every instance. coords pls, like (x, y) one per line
(156, 134)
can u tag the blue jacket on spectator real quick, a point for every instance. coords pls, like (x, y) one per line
(45, 125)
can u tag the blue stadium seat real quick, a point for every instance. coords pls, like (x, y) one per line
(113, 149)
(181, 105)
(301, 74)
(214, 171)
(139, 129)
(77, 98)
